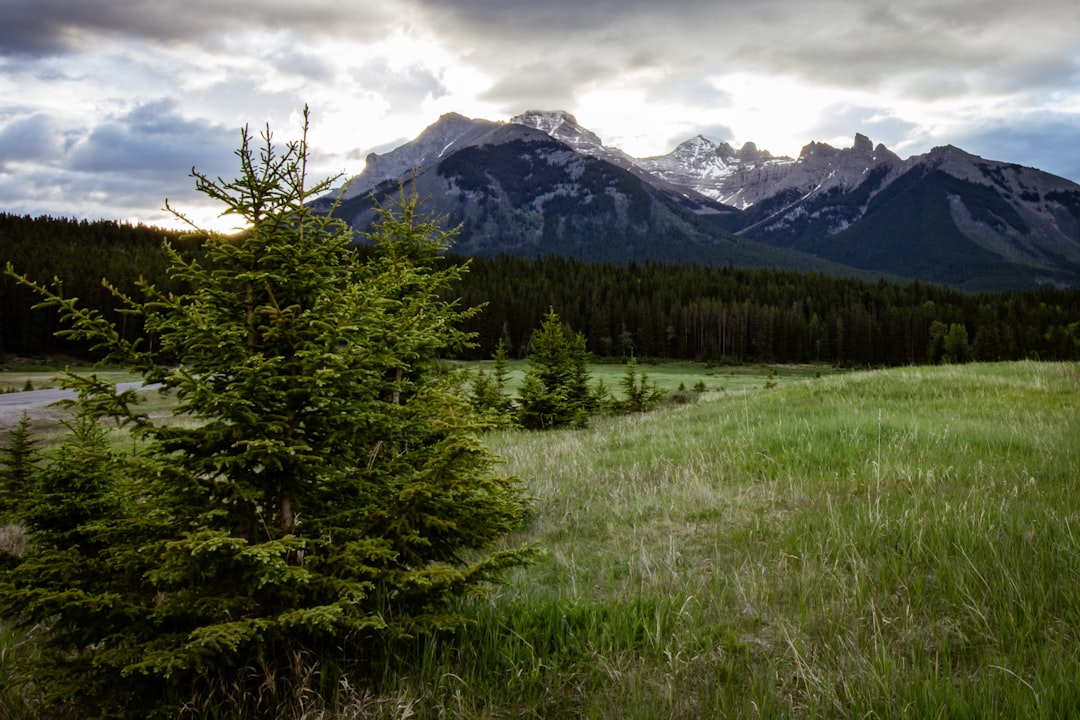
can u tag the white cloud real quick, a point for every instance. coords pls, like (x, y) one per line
(78, 80)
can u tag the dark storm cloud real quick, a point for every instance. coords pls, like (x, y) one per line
(133, 160)
(847, 43)
(547, 84)
(1046, 141)
(53, 27)
(302, 63)
(28, 137)
(878, 124)
(525, 17)
(152, 139)
(863, 43)
(403, 88)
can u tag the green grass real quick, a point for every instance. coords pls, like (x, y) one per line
(877, 544)
(670, 375)
(667, 375)
(901, 542)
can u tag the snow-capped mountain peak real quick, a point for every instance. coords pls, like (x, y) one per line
(564, 127)
(713, 169)
(449, 132)
(700, 150)
(560, 125)
(522, 182)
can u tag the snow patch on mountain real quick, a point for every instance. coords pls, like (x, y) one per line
(716, 170)
(564, 127)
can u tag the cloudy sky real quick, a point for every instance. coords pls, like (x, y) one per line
(105, 105)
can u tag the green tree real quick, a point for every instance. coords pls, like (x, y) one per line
(936, 350)
(818, 337)
(321, 497)
(957, 347)
(487, 392)
(987, 345)
(641, 395)
(66, 581)
(17, 467)
(555, 390)
(501, 371)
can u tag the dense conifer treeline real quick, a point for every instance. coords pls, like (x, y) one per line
(753, 315)
(646, 310)
(80, 254)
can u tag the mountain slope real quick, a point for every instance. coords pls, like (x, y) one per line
(946, 217)
(544, 184)
(518, 191)
(449, 132)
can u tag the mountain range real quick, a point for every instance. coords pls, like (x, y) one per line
(542, 184)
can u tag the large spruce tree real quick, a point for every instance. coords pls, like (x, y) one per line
(321, 489)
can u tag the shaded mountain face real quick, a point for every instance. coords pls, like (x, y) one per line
(542, 184)
(516, 190)
(946, 216)
(450, 133)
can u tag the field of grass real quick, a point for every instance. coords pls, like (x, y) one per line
(888, 543)
(875, 544)
(669, 376)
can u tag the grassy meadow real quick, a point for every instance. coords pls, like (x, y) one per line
(890, 543)
(798, 543)
(671, 375)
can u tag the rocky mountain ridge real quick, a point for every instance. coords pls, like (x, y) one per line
(542, 183)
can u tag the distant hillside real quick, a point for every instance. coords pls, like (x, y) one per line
(542, 184)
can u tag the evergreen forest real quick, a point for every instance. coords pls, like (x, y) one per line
(645, 310)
